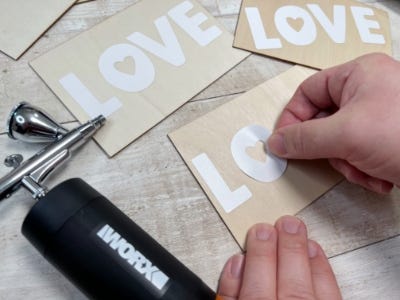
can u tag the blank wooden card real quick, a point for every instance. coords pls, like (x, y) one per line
(318, 34)
(139, 66)
(23, 21)
(227, 157)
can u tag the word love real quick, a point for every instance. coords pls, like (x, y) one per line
(266, 171)
(286, 16)
(168, 50)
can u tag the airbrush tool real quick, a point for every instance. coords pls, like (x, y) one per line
(94, 244)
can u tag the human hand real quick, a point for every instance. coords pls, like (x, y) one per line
(350, 115)
(280, 263)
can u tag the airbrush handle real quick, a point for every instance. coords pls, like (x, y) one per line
(103, 252)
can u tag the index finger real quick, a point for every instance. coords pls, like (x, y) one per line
(318, 93)
(259, 275)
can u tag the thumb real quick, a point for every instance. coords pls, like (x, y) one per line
(312, 139)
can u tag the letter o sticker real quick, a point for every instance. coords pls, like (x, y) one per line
(271, 169)
(143, 75)
(308, 32)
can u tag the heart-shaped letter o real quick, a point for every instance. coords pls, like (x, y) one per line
(140, 78)
(301, 37)
(267, 171)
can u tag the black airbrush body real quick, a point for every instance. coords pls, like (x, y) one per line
(102, 251)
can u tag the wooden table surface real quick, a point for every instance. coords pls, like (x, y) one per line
(149, 181)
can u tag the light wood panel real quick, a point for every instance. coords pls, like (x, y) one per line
(18, 82)
(314, 35)
(126, 67)
(265, 201)
(23, 22)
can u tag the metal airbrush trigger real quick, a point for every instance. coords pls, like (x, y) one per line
(30, 124)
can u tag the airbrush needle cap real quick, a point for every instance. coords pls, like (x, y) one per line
(30, 124)
(11, 117)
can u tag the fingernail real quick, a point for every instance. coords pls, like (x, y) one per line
(263, 232)
(291, 224)
(276, 144)
(312, 249)
(237, 265)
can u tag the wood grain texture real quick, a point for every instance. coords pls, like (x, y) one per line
(151, 184)
(301, 183)
(323, 50)
(167, 84)
(22, 23)
(371, 272)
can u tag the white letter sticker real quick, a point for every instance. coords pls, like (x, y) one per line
(227, 199)
(267, 171)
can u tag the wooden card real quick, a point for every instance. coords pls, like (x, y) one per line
(139, 66)
(22, 22)
(318, 34)
(224, 149)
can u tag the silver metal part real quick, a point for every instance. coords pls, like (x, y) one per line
(32, 172)
(13, 160)
(44, 170)
(29, 124)
(38, 191)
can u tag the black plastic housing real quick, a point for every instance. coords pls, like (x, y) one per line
(102, 251)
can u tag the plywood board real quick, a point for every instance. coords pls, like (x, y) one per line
(139, 66)
(22, 22)
(212, 135)
(319, 34)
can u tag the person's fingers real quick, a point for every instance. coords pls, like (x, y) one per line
(324, 281)
(318, 138)
(356, 176)
(319, 92)
(294, 270)
(259, 277)
(231, 278)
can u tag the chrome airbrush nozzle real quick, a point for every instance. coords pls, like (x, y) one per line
(98, 121)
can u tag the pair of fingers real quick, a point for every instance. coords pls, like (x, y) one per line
(280, 263)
